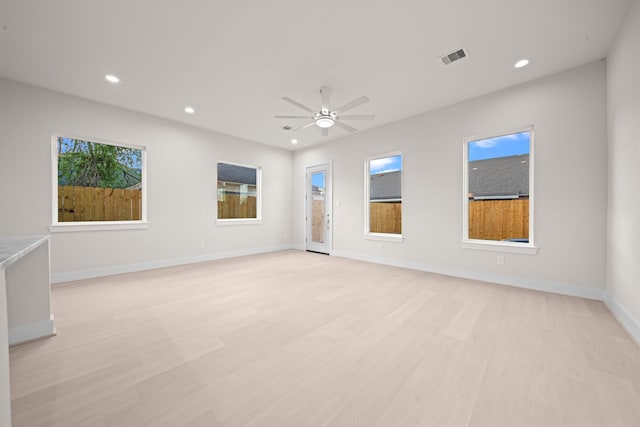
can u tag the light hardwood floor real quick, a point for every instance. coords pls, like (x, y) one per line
(299, 339)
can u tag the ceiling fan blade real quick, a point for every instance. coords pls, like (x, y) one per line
(303, 126)
(325, 92)
(358, 117)
(293, 117)
(297, 104)
(325, 132)
(345, 127)
(353, 104)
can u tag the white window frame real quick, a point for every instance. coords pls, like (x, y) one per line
(494, 245)
(57, 227)
(242, 221)
(368, 235)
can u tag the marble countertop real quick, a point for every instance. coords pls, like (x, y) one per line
(14, 248)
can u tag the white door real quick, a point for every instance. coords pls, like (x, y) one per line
(318, 212)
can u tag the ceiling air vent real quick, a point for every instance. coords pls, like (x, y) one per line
(454, 56)
(286, 128)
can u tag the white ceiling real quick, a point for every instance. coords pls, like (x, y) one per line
(233, 60)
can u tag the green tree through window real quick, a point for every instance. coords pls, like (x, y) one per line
(92, 164)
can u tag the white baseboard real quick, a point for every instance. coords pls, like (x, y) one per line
(30, 332)
(631, 325)
(34, 331)
(537, 285)
(132, 268)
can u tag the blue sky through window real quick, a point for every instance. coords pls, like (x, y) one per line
(385, 164)
(317, 179)
(500, 146)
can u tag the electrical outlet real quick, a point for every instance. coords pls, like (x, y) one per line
(500, 260)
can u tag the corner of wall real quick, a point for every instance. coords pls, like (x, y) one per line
(631, 325)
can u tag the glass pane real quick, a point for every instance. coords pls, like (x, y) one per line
(498, 183)
(385, 195)
(98, 182)
(318, 207)
(237, 191)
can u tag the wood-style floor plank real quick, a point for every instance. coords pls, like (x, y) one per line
(299, 339)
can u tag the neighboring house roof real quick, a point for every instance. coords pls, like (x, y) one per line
(385, 186)
(499, 177)
(237, 174)
(317, 193)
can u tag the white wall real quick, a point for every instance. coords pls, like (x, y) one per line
(568, 113)
(181, 166)
(623, 243)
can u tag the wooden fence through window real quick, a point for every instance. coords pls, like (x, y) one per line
(499, 219)
(385, 217)
(235, 207)
(98, 204)
(488, 219)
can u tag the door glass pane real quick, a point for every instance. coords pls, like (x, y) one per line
(317, 207)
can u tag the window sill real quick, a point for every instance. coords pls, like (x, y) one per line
(486, 245)
(97, 226)
(245, 221)
(383, 237)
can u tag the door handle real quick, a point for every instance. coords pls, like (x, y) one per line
(328, 223)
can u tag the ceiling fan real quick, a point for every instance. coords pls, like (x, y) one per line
(327, 118)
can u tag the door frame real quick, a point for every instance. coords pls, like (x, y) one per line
(328, 245)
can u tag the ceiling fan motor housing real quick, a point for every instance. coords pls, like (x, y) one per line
(326, 113)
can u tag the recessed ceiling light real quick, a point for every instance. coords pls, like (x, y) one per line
(522, 63)
(294, 141)
(112, 79)
(189, 110)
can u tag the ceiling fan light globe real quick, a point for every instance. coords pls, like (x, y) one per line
(324, 122)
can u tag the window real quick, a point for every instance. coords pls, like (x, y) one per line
(97, 183)
(383, 183)
(238, 192)
(498, 189)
